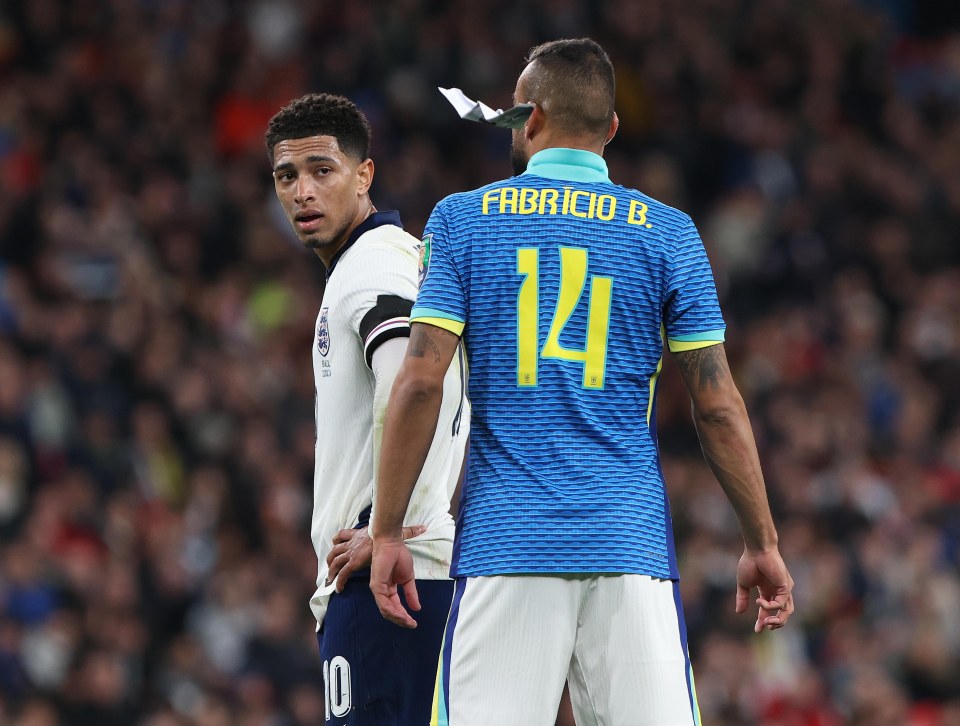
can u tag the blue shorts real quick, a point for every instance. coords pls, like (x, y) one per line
(377, 673)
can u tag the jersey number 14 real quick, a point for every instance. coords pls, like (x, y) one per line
(573, 277)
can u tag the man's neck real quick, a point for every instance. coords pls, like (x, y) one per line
(566, 142)
(328, 254)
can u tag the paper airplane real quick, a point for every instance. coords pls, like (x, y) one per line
(512, 118)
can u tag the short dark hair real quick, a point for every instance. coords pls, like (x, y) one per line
(322, 114)
(573, 81)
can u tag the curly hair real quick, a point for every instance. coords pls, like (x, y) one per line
(322, 114)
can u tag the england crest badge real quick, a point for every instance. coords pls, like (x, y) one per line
(425, 245)
(323, 334)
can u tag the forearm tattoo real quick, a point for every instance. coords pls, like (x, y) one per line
(704, 367)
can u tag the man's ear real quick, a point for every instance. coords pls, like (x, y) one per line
(364, 176)
(612, 131)
(535, 122)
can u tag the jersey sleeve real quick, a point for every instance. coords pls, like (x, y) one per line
(378, 295)
(442, 298)
(691, 313)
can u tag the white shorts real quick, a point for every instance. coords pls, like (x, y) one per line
(512, 641)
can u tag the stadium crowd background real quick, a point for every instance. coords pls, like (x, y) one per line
(156, 403)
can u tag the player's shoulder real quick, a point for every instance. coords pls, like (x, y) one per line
(387, 239)
(654, 208)
(389, 235)
(383, 252)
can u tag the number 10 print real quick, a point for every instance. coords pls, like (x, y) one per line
(573, 277)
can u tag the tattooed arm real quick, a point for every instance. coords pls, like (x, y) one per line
(408, 430)
(728, 445)
(727, 440)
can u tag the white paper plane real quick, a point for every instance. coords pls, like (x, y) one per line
(512, 118)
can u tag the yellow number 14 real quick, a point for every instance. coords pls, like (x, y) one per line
(573, 277)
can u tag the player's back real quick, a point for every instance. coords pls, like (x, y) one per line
(564, 286)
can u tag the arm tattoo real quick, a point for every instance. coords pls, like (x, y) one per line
(419, 342)
(703, 366)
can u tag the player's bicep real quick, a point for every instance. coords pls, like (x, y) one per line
(706, 374)
(431, 349)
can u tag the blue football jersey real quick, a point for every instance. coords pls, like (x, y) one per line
(564, 287)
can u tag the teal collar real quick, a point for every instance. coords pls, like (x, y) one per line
(568, 165)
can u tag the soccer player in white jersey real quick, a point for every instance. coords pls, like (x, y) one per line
(375, 673)
(564, 285)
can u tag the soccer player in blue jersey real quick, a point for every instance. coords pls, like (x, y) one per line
(564, 287)
(374, 673)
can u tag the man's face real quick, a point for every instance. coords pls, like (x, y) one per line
(320, 188)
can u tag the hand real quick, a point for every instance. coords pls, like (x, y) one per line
(393, 565)
(767, 572)
(352, 551)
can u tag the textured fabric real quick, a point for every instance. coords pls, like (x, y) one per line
(564, 289)
(617, 640)
(371, 275)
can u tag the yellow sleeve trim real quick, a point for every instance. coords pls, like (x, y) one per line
(454, 326)
(678, 346)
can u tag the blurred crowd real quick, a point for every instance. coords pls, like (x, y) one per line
(156, 397)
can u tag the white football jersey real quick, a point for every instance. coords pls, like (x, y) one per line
(370, 290)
